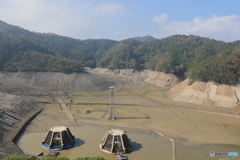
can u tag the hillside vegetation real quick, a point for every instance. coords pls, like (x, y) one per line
(35, 61)
(18, 53)
(145, 38)
(195, 57)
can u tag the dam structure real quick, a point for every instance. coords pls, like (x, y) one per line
(57, 138)
(115, 141)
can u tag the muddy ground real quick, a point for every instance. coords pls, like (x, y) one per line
(190, 127)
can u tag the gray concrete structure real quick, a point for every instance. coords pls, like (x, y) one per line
(57, 138)
(115, 141)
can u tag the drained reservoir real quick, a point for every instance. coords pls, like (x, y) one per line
(146, 144)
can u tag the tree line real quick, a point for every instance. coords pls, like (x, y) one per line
(198, 58)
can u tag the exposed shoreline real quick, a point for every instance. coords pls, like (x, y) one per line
(14, 133)
(168, 128)
(187, 123)
(157, 128)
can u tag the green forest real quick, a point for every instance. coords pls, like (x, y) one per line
(194, 57)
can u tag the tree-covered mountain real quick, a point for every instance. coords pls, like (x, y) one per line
(38, 62)
(144, 38)
(178, 54)
(121, 56)
(85, 51)
(222, 68)
(191, 56)
(18, 53)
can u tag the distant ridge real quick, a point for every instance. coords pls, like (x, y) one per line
(194, 57)
(145, 38)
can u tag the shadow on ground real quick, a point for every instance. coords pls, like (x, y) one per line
(78, 142)
(136, 146)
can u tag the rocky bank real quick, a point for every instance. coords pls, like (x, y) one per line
(143, 77)
(209, 93)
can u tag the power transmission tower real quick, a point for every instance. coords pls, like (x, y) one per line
(111, 114)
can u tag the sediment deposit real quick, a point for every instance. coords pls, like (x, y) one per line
(144, 77)
(87, 80)
(25, 93)
(206, 93)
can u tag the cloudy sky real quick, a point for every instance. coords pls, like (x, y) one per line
(121, 19)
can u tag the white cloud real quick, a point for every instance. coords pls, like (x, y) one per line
(46, 16)
(109, 9)
(161, 18)
(221, 28)
(64, 17)
(113, 20)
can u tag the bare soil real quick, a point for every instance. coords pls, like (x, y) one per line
(187, 123)
(203, 93)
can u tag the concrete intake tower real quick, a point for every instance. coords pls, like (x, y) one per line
(57, 138)
(115, 141)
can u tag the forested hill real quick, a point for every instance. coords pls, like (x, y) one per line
(87, 51)
(145, 38)
(18, 53)
(190, 56)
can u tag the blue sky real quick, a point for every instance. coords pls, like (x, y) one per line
(121, 19)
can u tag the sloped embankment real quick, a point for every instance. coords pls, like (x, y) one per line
(84, 81)
(206, 93)
(13, 109)
(143, 77)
